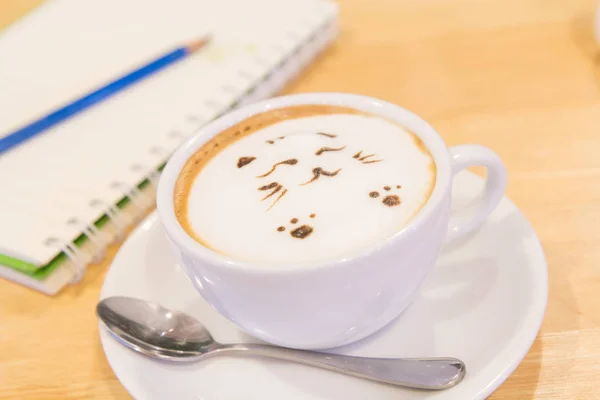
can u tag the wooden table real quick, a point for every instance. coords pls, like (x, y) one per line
(520, 76)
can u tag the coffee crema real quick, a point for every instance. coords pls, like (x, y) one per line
(303, 183)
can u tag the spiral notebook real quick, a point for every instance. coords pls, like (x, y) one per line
(71, 191)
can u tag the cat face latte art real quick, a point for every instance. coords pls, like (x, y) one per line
(303, 183)
(312, 220)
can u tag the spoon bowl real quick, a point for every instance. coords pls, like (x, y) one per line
(150, 328)
(164, 334)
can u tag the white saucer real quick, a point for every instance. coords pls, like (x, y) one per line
(483, 303)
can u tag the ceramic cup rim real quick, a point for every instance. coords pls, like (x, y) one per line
(414, 123)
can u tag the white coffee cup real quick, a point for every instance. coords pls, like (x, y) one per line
(324, 305)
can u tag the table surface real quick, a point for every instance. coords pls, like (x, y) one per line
(519, 76)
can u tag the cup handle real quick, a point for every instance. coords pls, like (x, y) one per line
(469, 219)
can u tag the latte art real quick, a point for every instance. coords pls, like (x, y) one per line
(304, 183)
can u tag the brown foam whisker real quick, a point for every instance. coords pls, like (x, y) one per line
(277, 199)
(291, 161)
(325, 149)
(317, 172)
(329, 135)
(363, 159)
(277, 189)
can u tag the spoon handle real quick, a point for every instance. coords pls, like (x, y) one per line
(420, 373)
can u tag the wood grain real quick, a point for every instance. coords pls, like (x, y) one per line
(520, 76)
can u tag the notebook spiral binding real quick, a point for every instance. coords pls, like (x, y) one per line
(142, 200)
(77, 257)
(99, 238)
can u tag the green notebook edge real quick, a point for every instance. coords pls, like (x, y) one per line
(41, 272)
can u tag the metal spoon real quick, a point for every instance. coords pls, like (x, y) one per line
(164, 334)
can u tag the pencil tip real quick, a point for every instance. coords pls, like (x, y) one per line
(197, 44)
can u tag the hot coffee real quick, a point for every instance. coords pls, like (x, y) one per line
(303, 183)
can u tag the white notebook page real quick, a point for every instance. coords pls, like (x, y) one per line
(68, 47)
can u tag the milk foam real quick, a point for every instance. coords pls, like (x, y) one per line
(374, 177)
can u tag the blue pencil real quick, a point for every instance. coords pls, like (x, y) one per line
(29, 131)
